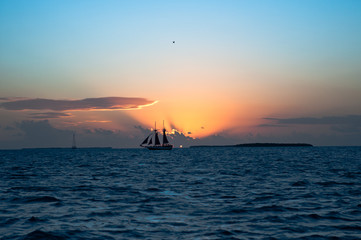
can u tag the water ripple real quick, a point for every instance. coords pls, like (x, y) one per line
(210, 193)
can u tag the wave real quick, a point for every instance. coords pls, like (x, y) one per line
(332, 183)
(274, 208)
(42, 199)
(41, 235)
(35, 219)
(301, 183)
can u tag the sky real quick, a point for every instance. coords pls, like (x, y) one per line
(239, 72)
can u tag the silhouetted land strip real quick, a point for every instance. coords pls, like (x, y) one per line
(260, 145)
(57, 148)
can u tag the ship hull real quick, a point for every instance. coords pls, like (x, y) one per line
(168, 147)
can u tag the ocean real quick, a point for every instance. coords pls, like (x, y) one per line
(195, 193)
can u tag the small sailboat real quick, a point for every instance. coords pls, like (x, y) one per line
(156, 145)
(73, 146)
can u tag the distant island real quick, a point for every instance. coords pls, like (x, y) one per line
(61, 148)
(259, 145)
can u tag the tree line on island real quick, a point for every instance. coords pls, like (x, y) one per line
(259, 145)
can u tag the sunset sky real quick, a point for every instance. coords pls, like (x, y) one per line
(238, 72)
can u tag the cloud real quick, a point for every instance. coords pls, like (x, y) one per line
(33, 133)
(344, 124)
(47, 115)
(349, 119)
(42, 134)
(97, 121)
(271, 125)
(144, 131)
(347, 128)
(30, 133)
(11, 98)
(105, 103)
(9, 128)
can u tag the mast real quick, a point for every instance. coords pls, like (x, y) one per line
(165, 140)
(73, 146)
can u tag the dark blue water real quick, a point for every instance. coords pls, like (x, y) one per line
(207, 193)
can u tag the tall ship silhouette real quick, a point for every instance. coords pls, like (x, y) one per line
(73, 145)
(152, 142)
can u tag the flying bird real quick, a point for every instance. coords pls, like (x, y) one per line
(173, 41)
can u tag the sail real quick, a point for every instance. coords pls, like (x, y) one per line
(145, 141)
(156, 139)
(165, 140)
(150, 141)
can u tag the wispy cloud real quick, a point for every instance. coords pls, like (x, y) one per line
(105, 103)
(345, 124)
(46, 115)
(12, 98)
(328, 120)
(98, 121)
(271, 125)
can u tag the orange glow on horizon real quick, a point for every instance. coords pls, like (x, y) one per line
(196, 118)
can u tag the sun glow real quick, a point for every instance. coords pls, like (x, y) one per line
(187, 115)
